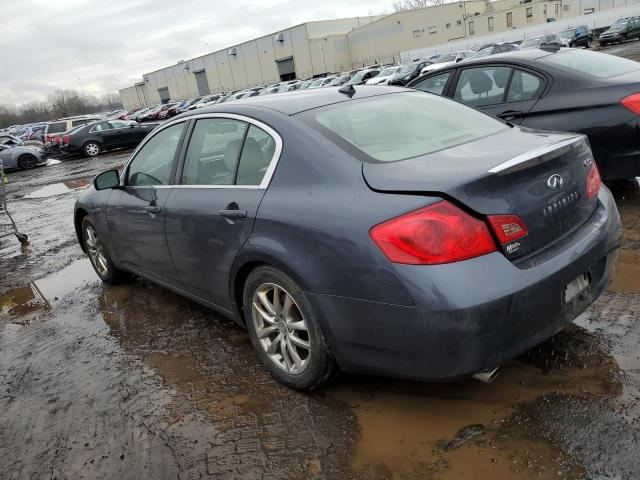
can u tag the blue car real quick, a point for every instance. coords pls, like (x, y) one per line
(379, 230)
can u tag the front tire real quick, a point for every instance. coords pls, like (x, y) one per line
(98, 255)
(27, 162)
(91, 149)
(285, 330)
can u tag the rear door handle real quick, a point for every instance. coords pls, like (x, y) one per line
(233, 213)
(153, 209)
(509, 114)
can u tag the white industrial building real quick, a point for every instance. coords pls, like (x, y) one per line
(316, 48)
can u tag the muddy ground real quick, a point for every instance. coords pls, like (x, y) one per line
(135, 382)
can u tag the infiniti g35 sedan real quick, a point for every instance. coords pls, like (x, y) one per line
(378, 230)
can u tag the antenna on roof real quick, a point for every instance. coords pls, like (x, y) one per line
(349, 90)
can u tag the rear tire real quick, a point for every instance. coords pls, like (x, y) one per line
(285, 330)
(91, 149)
(27, 161)
(98, 255)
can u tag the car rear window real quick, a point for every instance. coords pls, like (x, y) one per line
(57, 127)
(398, 126)
(598, 65)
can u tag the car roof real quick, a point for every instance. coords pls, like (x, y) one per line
(291, 103)
(525, 54)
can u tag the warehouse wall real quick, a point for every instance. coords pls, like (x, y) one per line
(383, 40)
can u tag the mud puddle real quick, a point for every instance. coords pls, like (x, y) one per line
(27, 301)
(263, 430)
(456, 430)
(61, 188)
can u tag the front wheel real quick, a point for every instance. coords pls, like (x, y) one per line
(285, 331)
(91, 149)
(27, 162)
(100, 259)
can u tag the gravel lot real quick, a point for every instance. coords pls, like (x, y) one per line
(135, 382)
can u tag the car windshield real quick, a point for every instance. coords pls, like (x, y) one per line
(485, 52)
(408, 68)
(531, 42)
(386, 72)
(357, 77)
(568, 33)
(591, 63)
(449, 57)
(394, 127)
(619, 25)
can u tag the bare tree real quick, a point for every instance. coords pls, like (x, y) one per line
(60, 103)
(404, 5)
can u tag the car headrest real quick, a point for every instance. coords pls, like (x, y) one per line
(253, 164)
(480, 82)
(501, 77)
(231, 154)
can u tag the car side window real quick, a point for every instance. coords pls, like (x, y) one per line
(434, 84)
(257, 153)
(524, 86)
(119, 124)
(213, 152)
(482, 86)
(152, 164)
(101, 127)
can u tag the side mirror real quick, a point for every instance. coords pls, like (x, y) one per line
(106, 180)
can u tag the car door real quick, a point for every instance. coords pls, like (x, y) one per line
(509, 93)
(104, 131)
(135, 211)
(121, 133)
(210, 215)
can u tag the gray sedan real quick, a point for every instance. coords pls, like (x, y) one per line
(21, 157)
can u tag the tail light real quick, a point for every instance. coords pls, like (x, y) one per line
(66, 139)
(439, 233)
(507, 227)
(632, 102)
(594, 182)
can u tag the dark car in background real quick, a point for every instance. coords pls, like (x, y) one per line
(408, 72)
(548, 39)
(492, 49)
(621, 31)
(361, 76)
(92, 139)
(339, 234)
(580, 36)
(572, 90)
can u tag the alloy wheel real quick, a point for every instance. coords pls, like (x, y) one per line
(96, 251)
(92, 149)
(281, 328)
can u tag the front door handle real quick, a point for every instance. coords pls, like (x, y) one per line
(153, 209)
(234, 213)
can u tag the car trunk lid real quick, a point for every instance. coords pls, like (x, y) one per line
(540, 177)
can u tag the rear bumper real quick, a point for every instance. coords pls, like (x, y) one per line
(473, 315)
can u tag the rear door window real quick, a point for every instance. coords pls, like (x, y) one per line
(57, 127)
(435, 84)
(257, 153)
(482, 86)
(523, 86)
(213, 152)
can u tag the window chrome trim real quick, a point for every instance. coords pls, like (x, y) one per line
(268, 174)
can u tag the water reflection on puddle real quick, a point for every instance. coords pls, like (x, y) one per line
(42, 293)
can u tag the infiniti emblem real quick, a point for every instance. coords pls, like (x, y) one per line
(554, 181)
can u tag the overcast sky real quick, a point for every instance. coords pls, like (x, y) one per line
(100, 46)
